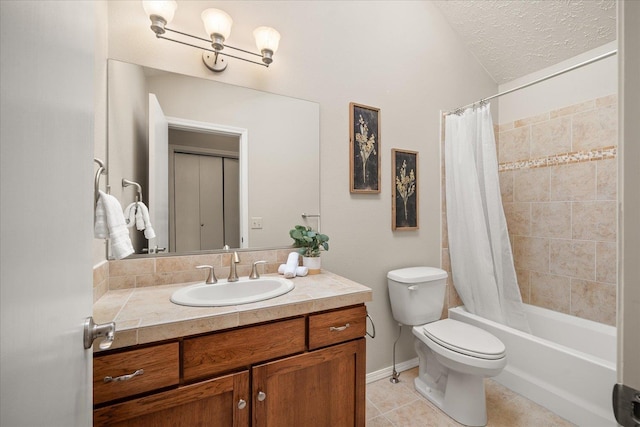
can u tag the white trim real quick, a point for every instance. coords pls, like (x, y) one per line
(388, 371)
(243, 136)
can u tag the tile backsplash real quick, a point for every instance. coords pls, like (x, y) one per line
(153, 271)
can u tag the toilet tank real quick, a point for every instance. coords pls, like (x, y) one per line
(417, 294)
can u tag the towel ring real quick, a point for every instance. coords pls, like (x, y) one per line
(126, 183)
(101, 171)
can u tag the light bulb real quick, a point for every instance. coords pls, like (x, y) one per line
(217, 23)
(267, 38)
(162, 8)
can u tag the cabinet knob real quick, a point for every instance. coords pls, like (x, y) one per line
(242, 404)
(261, 396)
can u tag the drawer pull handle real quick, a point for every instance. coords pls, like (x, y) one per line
(123, 377)
(338, 328)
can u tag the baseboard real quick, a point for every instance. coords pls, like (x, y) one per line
(387, 372)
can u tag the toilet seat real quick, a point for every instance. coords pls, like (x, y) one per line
(465, 339)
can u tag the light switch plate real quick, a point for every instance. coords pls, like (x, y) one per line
(256, 222)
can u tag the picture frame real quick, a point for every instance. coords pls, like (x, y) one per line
(405, 195)
(364, 149)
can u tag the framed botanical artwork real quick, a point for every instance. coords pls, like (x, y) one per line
(404, 211)
(364, 152)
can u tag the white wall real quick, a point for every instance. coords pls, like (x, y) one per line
(128, 127)
(334, 53)
(585, 83)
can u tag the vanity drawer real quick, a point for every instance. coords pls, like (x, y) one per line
(213, 354)
(337, 326)
(160, 367)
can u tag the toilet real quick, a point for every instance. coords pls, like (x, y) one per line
(454, 357)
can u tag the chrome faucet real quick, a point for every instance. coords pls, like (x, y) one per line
(233, 275)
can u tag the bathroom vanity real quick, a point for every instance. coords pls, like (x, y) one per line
(295, 360)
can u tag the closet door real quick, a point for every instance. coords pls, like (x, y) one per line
(211, 203)
(187, 202)
(232, 202)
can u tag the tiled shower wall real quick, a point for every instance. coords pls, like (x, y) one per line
(558, 176)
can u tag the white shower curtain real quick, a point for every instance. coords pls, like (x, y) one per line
(479, 247)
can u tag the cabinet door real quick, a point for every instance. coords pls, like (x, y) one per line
(323, 388)
(215, 403)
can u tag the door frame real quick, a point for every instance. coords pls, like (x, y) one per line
(243, 136)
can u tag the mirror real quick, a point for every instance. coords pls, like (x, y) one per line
(218, 164)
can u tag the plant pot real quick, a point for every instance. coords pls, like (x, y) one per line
(313, 263)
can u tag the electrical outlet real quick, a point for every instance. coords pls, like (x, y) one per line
(256, 222)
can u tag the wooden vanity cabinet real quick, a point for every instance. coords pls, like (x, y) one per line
(322, 388)
(215, 402)
(306, 371)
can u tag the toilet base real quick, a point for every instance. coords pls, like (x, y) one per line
(464, 399)
(459, 395)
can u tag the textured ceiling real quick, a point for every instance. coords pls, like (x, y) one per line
(513, 38)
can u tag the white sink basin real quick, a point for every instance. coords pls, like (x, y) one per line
(225, 293)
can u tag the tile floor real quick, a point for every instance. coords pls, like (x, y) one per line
(399, 405)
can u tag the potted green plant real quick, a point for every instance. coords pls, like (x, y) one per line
(310, 243)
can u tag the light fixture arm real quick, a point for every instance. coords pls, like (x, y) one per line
(219, 52)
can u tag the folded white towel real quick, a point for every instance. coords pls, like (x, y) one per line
(292, 264)
(301, 271)
(137, 214)
(118, 234)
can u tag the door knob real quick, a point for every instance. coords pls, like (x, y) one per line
(93, 331)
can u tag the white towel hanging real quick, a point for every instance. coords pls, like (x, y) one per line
(108, 210)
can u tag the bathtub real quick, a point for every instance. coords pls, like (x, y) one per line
(567, 364)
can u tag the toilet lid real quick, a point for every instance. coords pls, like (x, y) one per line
(464, 338)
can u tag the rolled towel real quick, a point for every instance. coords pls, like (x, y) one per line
(301, 271)
(292, 264)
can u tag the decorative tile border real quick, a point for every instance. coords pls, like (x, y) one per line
(561, 159)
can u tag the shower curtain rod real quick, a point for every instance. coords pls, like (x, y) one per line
(566, 70)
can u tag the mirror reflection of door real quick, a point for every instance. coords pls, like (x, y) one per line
(205, 200)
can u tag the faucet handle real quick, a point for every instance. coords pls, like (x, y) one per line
(254, 270)
(211, 278)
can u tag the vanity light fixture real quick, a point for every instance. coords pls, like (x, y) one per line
(217, 24)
